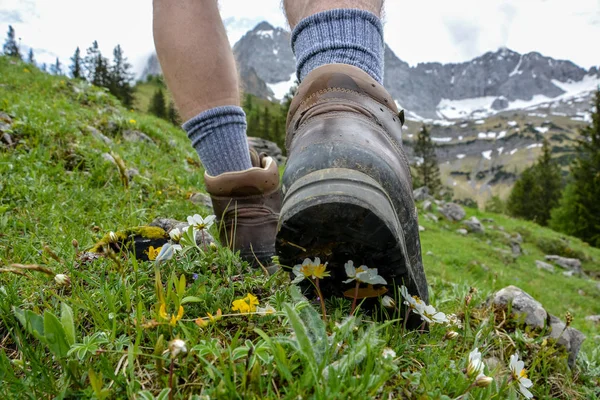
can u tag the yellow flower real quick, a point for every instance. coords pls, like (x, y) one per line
(26, 70)
(201, 322)
(152, 252)
(162, 312)
(216, 317)
(245, 305)
(320, 272)
(132, 121)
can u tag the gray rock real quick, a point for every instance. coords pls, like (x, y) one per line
(487, 220)
(568, 274)
(462, 231)
(545, 266)
(99, 135)
(109, 158)
(593, 318)
(134, 136)
(426, 205)
(201, 199)
(523, 305)
(453, 211)
(421, 193)
(131, 173)
(516, 248)
(269, 148)
(517, 238)
(421, 228)
(474, 226)
(6, 138)
(429, 253)
(431, 217)
(572, 264)
(570, 338)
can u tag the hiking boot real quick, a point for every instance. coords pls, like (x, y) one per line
(247, 205)
(347, 185)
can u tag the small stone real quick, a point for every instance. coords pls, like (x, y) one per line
(517, 238)
(568, 274)
(201, 199)
(569, 337)
(109, 158)
(572, 264)
(516, 248)
(462, 231)
(427, 205)
(421, 228)
(453, 212)
(474, 226)
(131, 135)
(99, 135)
(487, 220)
(501, 228)
(431, 217)
(545, 266)
(6, 138)
(429, 253)
(421, 193)
(593, 318)
(132, 172)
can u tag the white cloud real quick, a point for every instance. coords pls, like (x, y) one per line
(429, 30)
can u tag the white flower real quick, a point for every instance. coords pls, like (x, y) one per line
(363, 274)
(268, 309)
(62, 279)
(413, 302)
(388, 354)
(112, 237)
(475, 366)
(388, 302)
(177, 248)
(431, 315)
(453, 320)
(177, 346)
(200, 223)
(166, 253)
(310, 269)
(519, 374)
(175, 234)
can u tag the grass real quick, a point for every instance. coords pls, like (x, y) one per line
(106, 336)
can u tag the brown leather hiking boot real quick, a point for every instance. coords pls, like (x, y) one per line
(347, 183)
(248, 204)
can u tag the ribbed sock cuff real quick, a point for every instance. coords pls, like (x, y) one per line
(345, 36)
(219, 137)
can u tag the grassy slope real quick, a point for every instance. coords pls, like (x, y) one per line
(56, 187)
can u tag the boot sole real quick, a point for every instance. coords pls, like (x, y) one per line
(340, 214)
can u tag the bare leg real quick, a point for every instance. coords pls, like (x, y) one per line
(296, 10)
(195, 55)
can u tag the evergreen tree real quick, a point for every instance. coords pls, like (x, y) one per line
(30, 57)
(56, 68)
(11, 47)
(96, 66)
(254, 123)
(579, 211)
(76, 66)
(427, 169)
(157, 105)
(120, 77)
(44, 67)
(538, 189)
(248, 104)
(172, 114)
(266, 125)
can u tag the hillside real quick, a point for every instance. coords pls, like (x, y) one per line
(104, 336)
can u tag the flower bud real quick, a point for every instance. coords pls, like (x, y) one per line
(62, 280)
(483, 381)
(112, 237)
(75, 244)
(388, 302)
(175, 235)
(450, 335)
(177, 346)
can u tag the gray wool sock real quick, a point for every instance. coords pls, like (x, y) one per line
(219, 137)
(345, 36)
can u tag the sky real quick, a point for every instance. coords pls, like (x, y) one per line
(417, 31)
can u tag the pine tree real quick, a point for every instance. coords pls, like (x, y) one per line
(248, 104)
(76, 66)
(56, 68)
(120, 77)
(96, 66)
(44, 67)
(427, 169)
(266, 125)
(30, 57)
(579, 211)
(538, 190)
(157, 105)
(172, 114)
(11, 47)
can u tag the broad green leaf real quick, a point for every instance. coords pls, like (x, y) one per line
(164, 394)
(181, 286)
(66, 317)
(55, 336)
(304, 342)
